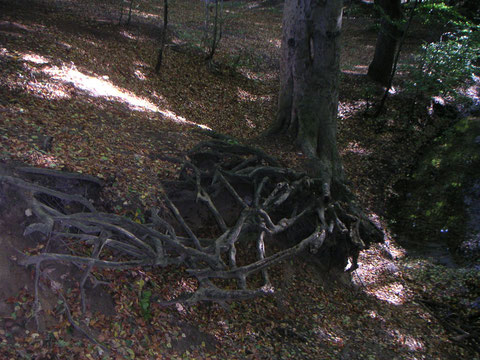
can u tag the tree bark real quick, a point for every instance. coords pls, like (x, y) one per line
(387, 41)
(309, 81)
(163, 39)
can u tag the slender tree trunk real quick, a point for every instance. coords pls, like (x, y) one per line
(396, 58)
(387, 41)
(130, 12)
(217, 30)
(163, 38)
(309, 81)
(214, 34)
(121, 12)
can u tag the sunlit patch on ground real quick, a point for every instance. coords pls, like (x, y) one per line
(374, 315)
(147, 15)
(328, 336)
(350, 108)
(410, 342)
(355, 148)
(250, 123)
(43, 160)
(140, 75)
(7, 25)
(46, 90)
(378, 273)
(276, 42)
(253, 75)
(35, 58)
(182, 286)
(128, 35)
(357, 70)
(246, 96)
(101, 87)
(393, 293)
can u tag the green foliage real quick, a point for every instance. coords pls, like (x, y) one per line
(374, 27)
(443, 66)
(437, 13)
(144, 302)
(354, 10)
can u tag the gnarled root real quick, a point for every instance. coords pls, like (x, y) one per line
(271, 201)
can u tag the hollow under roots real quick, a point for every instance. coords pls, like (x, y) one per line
(269, 207)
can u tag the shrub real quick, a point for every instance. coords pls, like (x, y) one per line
(443, 66)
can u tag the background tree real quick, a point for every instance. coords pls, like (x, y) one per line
(309, 81)
(163, 37)
(129, 12)
(387, 41)
(213, 30)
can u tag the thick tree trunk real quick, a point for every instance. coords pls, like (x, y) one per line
(309, 70)
(387, 41)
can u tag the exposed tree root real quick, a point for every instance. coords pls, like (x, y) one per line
(272, 204)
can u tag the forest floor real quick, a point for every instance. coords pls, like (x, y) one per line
(78, 92)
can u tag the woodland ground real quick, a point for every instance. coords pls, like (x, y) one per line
(70, 74)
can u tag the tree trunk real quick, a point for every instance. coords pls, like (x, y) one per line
(387, 41)
(163, 39)
(309, 80)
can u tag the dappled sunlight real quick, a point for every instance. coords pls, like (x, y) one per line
(47, 90)
(355, 148)
(323, 334)
(473, 91)
(346, 109)
(34, 58)
(276, 42)
(393, 293)
(34, 84)
(250, 123)
(401, 338)
(7, 26)
(181, 286)
(378, 273)
(128, 35)
(246, 96)
(66, 78)
(146, 15)
(91, 42)
(253, 75)
(356, 70)
(157, 96)
(41, 159)
(101, 87)
(65, 45)
(407, 341)
(140, 75)
(140, 63)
